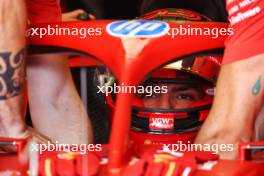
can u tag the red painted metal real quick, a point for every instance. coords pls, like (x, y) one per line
(130, 65)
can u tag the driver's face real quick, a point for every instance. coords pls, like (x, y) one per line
(178, 96)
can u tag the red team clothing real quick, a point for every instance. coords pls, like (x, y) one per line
(43, 11)
(247, 19)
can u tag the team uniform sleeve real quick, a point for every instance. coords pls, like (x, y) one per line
(247, 19)
(43, 11)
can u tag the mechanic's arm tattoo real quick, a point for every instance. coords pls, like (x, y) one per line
(257, 86)
(12, 73)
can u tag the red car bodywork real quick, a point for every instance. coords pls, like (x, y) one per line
(130, 65)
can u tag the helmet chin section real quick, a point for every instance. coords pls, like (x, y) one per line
(158, 127)
(163, 121)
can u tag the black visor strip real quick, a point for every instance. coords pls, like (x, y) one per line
(181, 125)
(141, 123)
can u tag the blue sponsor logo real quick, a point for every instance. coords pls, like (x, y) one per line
(137, 28)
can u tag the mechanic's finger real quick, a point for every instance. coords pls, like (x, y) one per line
(24, 155)
(85, 16)
(72, 14)
(77, 15)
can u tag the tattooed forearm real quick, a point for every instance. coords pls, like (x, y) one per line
(12, 73)
(257, 86)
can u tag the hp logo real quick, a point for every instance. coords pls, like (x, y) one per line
(135, 28)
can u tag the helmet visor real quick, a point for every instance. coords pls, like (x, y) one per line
(171, 89)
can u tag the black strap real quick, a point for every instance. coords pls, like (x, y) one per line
(141, 123)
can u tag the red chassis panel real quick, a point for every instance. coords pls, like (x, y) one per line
(126, 61)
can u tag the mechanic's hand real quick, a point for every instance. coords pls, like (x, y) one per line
(224, 134)
(77, 15)
(37, 137)
(225, 144)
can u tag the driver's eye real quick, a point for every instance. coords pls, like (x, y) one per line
(185, 97)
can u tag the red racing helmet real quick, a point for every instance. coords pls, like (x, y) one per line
(175, 115)
(174, 15)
